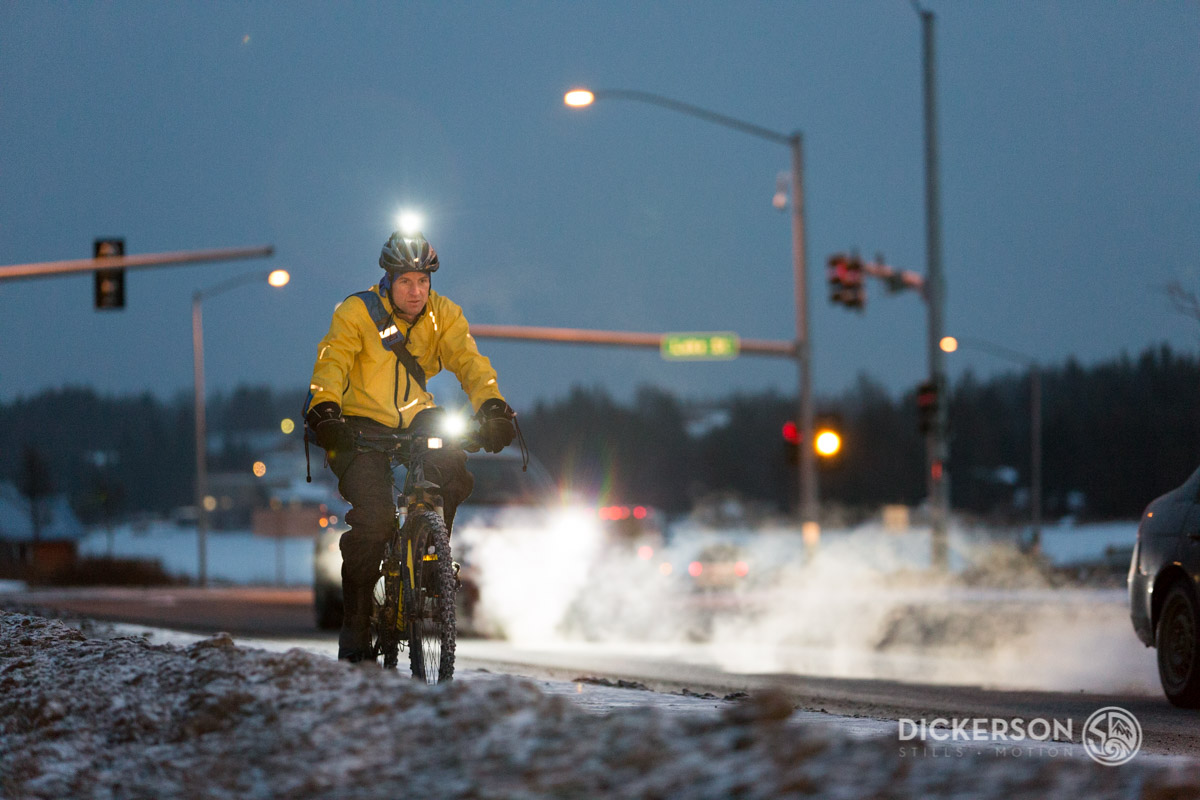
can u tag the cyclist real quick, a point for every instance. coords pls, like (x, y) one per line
(370, 375)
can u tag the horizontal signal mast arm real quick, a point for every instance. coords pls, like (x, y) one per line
(763, 347)
(50, 268)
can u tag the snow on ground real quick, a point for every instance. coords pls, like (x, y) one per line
(119, 717)
(237, 557)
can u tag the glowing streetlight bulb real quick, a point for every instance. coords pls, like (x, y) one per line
(579, 98)
(410, 222)
(828, 443)
(279, 277)
(948, 344)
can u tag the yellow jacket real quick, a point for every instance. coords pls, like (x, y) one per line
(366, 379)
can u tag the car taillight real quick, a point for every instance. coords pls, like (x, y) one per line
(614, 513)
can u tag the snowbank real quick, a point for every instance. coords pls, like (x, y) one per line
(105, 718)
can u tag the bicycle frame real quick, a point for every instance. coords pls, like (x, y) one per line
(402, 566)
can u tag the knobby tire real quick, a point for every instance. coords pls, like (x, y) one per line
(429, 600)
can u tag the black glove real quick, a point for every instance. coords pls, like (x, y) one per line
(496, 429)
(333, 434)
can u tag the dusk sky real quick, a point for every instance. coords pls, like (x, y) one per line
(1070, 170)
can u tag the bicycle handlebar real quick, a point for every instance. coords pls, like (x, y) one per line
(405, 440)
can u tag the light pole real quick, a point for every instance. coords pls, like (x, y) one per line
(277, 278)
(803, 353)
(936, 447)
(949, 344)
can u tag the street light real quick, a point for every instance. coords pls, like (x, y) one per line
(580, 97)
(276, 278)
(949, 344)
(828, 443)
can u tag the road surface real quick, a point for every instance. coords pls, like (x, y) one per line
(284, 616)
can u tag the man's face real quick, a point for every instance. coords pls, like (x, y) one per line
(410, 290)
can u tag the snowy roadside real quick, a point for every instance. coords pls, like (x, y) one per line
(122, 717)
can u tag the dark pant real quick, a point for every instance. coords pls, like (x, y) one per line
(365, 480)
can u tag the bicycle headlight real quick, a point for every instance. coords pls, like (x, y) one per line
(454, 424)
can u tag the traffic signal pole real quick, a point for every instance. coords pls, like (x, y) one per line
(936, 445)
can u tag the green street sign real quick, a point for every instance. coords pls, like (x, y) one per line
(699, 346)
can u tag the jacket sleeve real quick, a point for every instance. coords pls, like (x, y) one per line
(460, 355)
(336, 352)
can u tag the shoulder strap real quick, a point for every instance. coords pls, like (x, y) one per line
(390, 335)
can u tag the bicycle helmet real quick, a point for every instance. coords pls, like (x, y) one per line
(408, 253)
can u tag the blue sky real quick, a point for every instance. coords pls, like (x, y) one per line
(1070, 169)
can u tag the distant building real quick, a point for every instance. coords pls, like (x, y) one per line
(57, 537)
(270, 494)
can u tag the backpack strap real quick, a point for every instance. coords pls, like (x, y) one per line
(390, 335)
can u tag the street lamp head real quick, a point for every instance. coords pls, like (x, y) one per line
(279, 277)
(578, 98)
(828, 443)
(948, 344)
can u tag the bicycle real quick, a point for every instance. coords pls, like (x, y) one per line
(415, 594)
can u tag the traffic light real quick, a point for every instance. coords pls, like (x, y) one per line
(109, 283)
(791, 442)
(837, 271)
(927, 406)
(846, 286)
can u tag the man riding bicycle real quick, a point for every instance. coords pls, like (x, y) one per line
(370, 376)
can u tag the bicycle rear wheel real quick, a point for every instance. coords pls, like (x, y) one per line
(386, 622)
(429, 599)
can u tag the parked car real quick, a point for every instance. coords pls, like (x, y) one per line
(500, 486)
(1163, 577)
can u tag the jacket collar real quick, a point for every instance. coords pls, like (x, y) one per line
(387, 304)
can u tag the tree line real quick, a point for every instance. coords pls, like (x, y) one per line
(1115, 435)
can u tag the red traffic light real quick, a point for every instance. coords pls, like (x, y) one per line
(927, 406)
(846, 285)
(791, 433)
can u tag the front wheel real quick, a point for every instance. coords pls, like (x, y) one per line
(429, 592)
(1178, 648)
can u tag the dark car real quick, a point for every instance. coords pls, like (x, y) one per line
(1163, 577)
